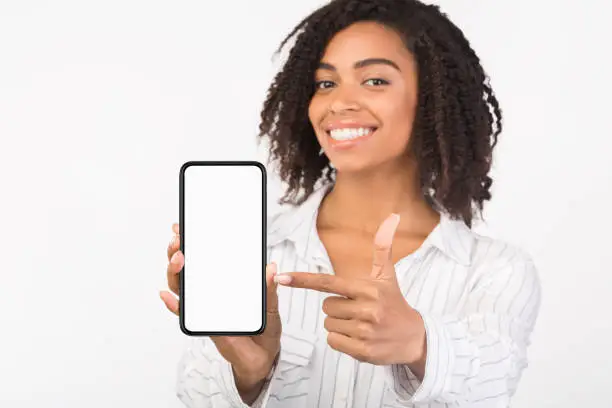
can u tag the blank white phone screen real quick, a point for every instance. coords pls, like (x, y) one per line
(224, 272)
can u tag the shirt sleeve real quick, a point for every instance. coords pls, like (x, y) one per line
(206, 379)
(475, 358)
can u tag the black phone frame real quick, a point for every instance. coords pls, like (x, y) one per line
(184, 167)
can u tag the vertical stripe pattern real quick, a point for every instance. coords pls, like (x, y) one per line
(479, 299)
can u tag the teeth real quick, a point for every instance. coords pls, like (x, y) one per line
(349, 133)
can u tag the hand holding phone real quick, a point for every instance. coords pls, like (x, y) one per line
(251, 357)
(217, 267)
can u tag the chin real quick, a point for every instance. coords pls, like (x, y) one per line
(360, 165)
(352, 165)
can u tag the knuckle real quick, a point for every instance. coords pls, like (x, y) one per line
(374, 292)
(375, 315)
(326, 324)
(231, 341)
(379, 248)
(331, 340)
(379, 253)
(329, 303)
(379, 292)
(326, 305)
(172, 273)
(326, 281)
(365, 330)
(365, 352)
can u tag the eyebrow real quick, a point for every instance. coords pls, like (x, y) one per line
(363, 63)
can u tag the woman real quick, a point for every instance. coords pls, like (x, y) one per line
(379, 292)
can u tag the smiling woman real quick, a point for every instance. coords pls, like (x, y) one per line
(385, 296)
(381, 93)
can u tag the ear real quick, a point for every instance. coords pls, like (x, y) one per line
(382, 265)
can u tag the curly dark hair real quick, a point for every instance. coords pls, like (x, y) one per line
(457, 121)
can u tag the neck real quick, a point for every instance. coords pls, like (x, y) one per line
(362, 201)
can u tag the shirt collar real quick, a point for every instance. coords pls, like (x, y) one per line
(454, 238)
(298, 224)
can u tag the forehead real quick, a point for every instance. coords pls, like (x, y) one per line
(363, 40)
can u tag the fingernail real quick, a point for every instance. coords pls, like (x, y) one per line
(397, 219)
(175, 258)
(282, 279)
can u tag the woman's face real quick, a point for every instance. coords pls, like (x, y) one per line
(364, 104)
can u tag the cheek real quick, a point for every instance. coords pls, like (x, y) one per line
(315, 110)
(399, 115)
(316, 113)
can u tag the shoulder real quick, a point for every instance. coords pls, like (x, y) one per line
(494, 258)
(294, 221)
(280, 225)
(504, 277)
(286, 233)
(490, 250)
(277, 219)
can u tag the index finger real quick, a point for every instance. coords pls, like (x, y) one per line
(322, 282)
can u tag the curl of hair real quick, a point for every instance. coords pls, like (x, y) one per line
(457, 122)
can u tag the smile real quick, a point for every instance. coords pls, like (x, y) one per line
(348, 137)
(350, 133)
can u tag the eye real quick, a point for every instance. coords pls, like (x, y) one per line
(377, 81)
(323, 84)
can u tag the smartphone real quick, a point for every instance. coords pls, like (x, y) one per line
(222, 225)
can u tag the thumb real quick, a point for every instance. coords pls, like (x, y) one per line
(383, 240)
(271, 287)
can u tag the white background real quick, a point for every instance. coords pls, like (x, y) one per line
(101, 103)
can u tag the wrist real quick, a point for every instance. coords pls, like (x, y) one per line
(415, 351)
(248, 386)
(245, 381)
(249, 379)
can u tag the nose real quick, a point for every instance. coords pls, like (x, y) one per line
(343, 99)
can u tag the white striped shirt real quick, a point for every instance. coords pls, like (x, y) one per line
(479, 298)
